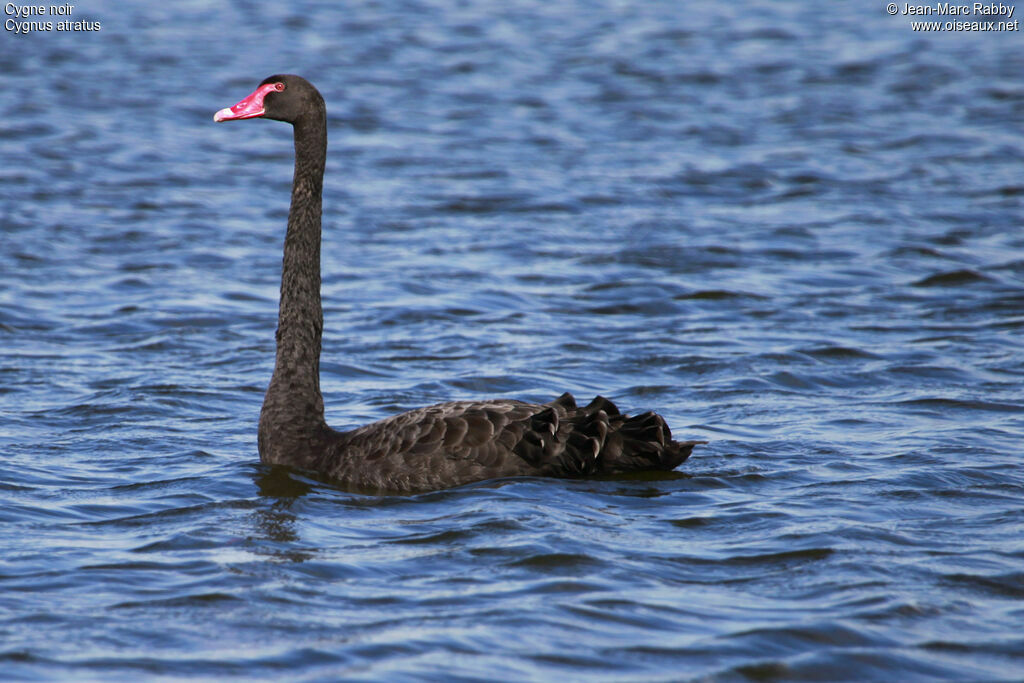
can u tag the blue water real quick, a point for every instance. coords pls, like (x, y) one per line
(794, 229)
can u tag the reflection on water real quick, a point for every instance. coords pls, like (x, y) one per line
(275, 534)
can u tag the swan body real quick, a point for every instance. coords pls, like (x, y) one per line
(440, 446)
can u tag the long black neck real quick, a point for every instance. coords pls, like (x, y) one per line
(293, 408)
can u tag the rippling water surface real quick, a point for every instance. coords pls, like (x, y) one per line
(793, 229)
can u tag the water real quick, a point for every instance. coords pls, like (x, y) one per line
(794, 230)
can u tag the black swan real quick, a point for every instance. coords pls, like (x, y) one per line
(430, 448)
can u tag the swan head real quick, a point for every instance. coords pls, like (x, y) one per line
(282, 97)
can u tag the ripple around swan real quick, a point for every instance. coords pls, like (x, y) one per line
(794, 233)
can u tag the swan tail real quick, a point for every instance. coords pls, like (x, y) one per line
(598, 439)
(644, 442)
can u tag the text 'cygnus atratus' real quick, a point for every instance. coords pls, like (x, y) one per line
(430, 448)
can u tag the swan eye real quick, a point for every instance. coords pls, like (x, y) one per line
(279, 87)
